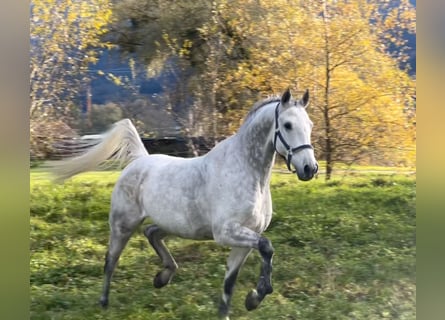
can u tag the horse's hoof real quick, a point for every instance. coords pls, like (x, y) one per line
(252, 300)
(223, 310)
(157, 281)
(162, 278)
(103, 302)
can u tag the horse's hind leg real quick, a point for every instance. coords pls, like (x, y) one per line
(235, 261)
(120, 233)
(155, 235)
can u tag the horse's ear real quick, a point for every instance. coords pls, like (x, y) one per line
(305, 99)
(285, 98)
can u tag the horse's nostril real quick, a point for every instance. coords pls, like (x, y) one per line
(307, 170)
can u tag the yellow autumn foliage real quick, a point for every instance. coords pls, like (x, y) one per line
(362, 103)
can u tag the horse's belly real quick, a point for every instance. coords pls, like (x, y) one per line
(183, 226)
(177, 209)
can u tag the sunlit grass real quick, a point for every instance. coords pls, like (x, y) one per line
(344, 250)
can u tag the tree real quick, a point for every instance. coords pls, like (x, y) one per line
(190, 42)
(140, 27)
(341, 51)
(370, 115)
(65, 38)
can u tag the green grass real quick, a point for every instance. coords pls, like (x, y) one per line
(343, 250)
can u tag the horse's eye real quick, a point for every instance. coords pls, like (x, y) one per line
(288, 126)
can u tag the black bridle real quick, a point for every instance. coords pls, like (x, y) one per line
(290, 150)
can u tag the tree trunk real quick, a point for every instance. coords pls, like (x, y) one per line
(327, 122)
(329, 166)
(328, 142)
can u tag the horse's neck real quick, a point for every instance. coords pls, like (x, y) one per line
(255, 141)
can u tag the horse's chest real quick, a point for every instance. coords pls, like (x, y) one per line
(258, 211)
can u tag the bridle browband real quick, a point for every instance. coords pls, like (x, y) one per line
(290, 150)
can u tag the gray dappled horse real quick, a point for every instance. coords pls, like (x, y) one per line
(223, 195)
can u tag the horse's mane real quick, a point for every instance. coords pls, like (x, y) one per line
(259, 104)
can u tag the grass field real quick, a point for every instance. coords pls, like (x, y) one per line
(343, 250)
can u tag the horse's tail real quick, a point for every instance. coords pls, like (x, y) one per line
(120, 144)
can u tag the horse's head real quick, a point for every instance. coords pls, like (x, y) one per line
(292, 137)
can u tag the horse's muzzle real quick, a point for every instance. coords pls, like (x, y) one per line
(308, 172)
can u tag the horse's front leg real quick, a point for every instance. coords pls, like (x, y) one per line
(235, 261)
(264, 286)
(234, 235)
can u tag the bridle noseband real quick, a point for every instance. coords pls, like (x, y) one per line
(290, 150)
